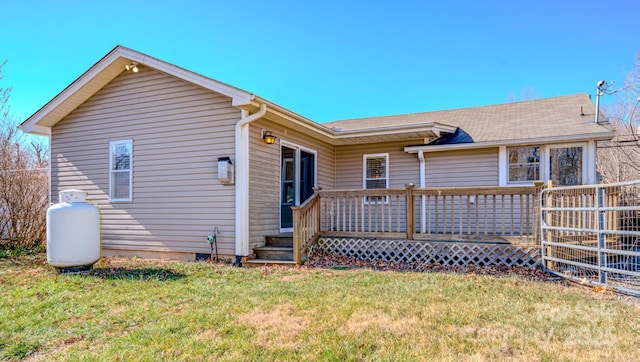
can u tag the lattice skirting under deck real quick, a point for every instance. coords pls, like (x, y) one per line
(446, 253)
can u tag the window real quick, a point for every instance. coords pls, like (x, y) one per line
(565, 165)
(120, 175)
(288, 182)
(524, 163)
(376, 172)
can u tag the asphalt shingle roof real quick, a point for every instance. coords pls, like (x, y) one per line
(540, 118)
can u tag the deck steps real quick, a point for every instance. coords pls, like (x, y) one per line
(278, 250)
(267, 262)
(284, 239)
(274, 252)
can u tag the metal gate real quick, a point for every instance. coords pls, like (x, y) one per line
(591, 234)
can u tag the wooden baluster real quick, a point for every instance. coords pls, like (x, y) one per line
(502, 215)
(460, 227)
(477, 215)
(410, 211)
(494, 215)
(397, 213)
(511, 212)
(369, 212)
(453, 220)
(428, 214)
(444, 214)
(528, 231)
(486, 214)
(468, 214)
(437, 219)
(389, 208)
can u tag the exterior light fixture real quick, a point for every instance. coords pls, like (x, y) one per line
(268, 137)
(132, 67)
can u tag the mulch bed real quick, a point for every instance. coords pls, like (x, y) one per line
(320, 259)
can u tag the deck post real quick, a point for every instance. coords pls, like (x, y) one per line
(297, 237)
(410, 211)
(316, 190)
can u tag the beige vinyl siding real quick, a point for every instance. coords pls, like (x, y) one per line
(178, 131)
(403, 167)
(466, 168)
(264, 175)
(471, 168)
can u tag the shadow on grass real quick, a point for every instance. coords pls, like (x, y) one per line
(117, 273)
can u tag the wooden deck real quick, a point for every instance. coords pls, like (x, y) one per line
(478, 215)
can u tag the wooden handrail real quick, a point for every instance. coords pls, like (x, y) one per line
(488, 190)
(306, 225)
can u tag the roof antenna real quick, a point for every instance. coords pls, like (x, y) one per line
(601, 89)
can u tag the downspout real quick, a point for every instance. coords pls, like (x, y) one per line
(423, 182)
(242, 181)
(49, 167)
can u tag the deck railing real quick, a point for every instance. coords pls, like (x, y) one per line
(476, 212)
(306, 226)
(450, 213)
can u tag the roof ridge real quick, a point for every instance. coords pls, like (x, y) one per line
(457, 109)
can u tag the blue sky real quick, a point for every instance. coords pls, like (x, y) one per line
(330, 60)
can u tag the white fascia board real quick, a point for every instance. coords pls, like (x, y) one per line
(238, 96)
(433, 126)
(334, 135)
(118, 58)
(32, 122)
(36, 130)
(297, 119)
(530, 141)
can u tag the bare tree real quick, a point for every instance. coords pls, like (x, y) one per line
(23, 183)
(526, 94)
(619, 159)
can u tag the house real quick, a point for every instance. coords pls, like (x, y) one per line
(170, 155)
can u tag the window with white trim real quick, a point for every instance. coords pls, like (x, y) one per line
(565, 165)
(523, 163)
(376, 171)
(120, 170)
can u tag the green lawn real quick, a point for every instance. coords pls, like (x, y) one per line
(133, 309)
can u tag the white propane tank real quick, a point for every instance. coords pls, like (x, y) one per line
(73, 231)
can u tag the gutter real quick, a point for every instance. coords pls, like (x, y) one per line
(531, 141)
(341, 137)
(242, 181)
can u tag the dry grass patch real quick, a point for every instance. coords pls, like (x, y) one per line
(363, 322)
(292, 277)
(209, 335)
(278, 327)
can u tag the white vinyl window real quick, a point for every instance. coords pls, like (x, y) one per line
(376, 172)
(524, 163)
(565, 165)
(120, 170)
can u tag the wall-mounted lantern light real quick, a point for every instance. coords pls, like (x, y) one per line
(268, 137)
(226, 171)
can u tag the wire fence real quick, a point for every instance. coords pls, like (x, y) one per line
(591, 234)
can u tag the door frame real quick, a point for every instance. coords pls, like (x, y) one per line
(296, 164)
